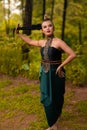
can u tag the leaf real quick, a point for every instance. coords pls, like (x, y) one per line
(25, 67)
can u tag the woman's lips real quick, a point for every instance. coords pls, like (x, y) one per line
(48, 31)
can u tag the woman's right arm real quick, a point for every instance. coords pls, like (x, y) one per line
(29, 40)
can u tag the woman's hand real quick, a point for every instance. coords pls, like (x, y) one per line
(60, 72)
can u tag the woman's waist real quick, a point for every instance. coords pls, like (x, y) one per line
(51, 62)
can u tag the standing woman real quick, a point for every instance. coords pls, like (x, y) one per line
(52, 74)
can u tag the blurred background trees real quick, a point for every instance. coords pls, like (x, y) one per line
(70, 20)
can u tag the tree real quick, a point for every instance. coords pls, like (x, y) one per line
(64, 18)
(27, 19)
(77, 17)
(52, 9)
(44, 8)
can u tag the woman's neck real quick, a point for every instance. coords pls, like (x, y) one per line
(51, 36)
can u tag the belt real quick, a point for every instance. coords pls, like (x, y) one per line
(51, 62)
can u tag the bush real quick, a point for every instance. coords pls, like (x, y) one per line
(14, 62)
(76, 70)
(10, 59)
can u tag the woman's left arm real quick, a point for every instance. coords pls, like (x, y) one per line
(69, 51)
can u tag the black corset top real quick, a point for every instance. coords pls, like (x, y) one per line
(53, 53)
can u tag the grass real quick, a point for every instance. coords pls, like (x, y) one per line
(5, 83)
(20, 105)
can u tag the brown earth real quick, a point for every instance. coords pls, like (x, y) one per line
(21, 120)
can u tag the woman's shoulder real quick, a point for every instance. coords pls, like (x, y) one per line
(57, 42)
(42, 42)
(57, 39)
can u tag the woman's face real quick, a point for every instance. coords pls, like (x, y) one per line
(47, 28)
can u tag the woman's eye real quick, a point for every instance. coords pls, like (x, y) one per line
(44, 26)
(50, 25)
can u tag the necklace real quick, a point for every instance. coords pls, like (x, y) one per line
(46, 65)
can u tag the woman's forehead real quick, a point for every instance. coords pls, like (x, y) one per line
(46, 22)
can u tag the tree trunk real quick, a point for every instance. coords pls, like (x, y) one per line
(64, 18)
(27, 20)
(52, 9)
(44, 8)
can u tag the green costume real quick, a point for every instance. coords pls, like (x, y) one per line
(51, 85)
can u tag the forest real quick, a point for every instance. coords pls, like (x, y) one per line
(70, 20)
(20, 62)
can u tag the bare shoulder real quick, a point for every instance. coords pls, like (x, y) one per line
(63, 45)
(58, 42)
(42, 43)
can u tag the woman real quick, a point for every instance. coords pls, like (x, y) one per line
(52, 74)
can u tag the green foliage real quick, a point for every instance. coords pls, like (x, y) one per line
(1, 15)
(11, 57)
(82, 108)
(12, 63)
(76, 70)
(34, 63)
(5, 83)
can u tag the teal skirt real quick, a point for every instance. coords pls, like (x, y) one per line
(52, 89)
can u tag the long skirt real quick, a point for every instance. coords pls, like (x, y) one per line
(52, 89)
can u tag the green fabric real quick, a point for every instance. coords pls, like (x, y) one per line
(52, 93)
(45, 87)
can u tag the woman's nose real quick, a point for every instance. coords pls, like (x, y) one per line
(47, 27)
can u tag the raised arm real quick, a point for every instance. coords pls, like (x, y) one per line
(29, 40)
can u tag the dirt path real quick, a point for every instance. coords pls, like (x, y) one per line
(80, 94)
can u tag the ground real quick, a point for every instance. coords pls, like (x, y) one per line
(21, 120)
